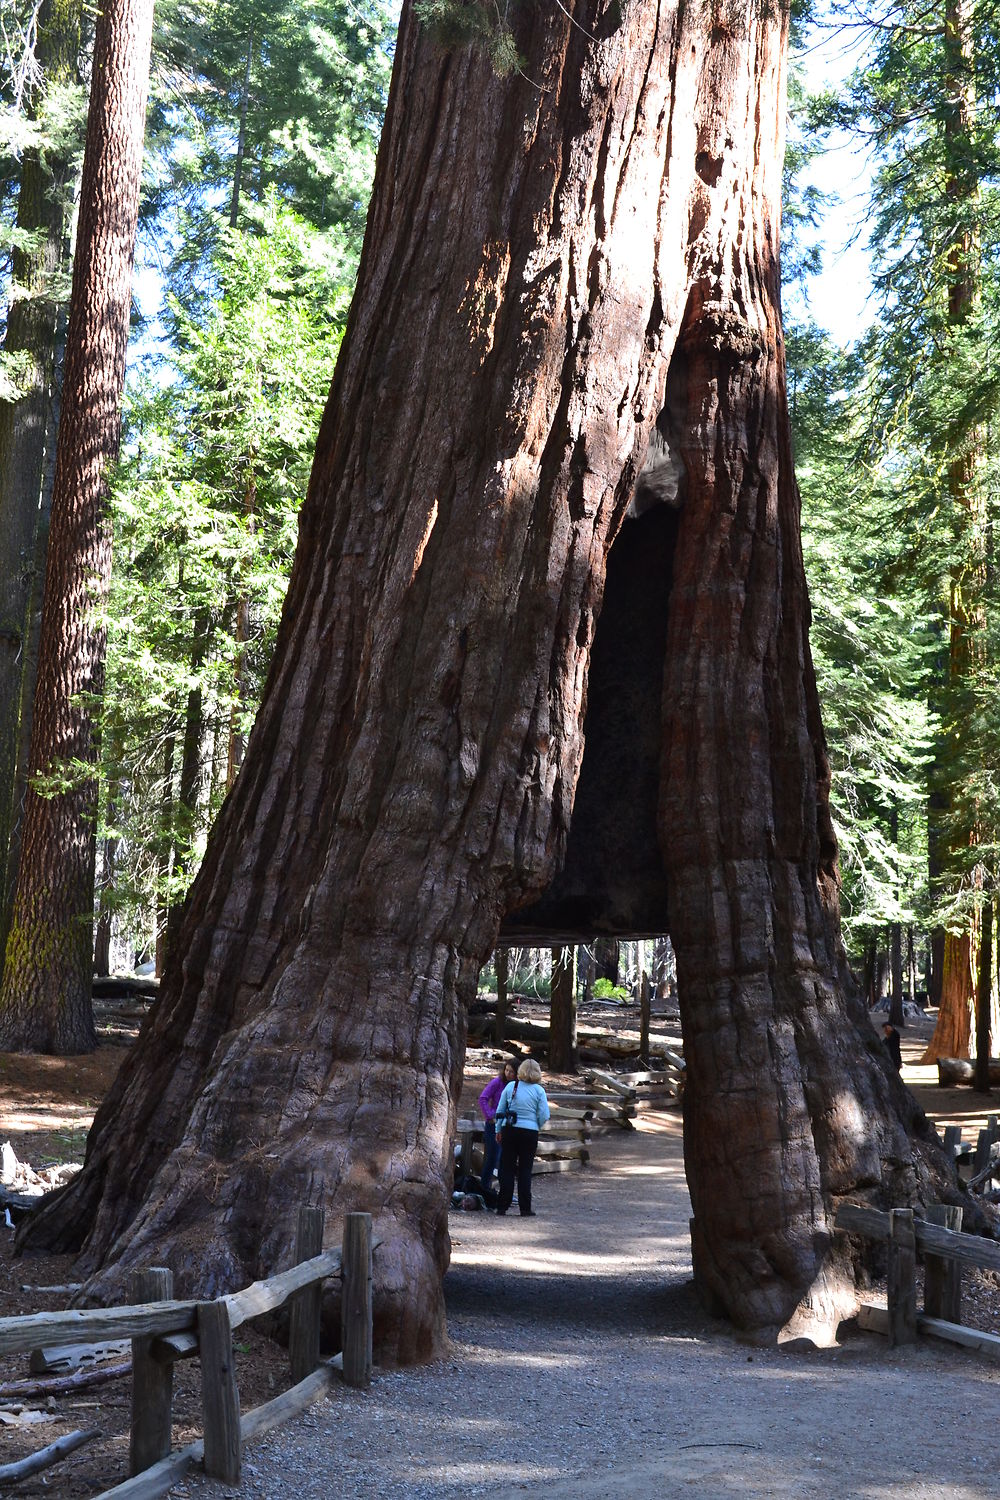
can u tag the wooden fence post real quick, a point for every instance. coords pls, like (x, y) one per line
(644, 1007)
(220, 1400)
(356, 1300)
(303, 1326)
(982, 1155)
(952, 1140)
(152, 1383)
(902, 1277)
(943, 1275)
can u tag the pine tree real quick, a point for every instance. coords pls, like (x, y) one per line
(45, 993)
(932, 393)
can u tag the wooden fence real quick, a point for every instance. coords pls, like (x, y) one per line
(981, 1160)
(607, 1101)
(163, 1331)
(562, 1144)
(946, 1250)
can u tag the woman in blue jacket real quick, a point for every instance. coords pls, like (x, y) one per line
(522, 1110)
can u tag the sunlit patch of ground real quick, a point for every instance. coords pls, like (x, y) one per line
(47, 1104)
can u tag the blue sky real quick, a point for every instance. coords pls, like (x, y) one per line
(839, 297)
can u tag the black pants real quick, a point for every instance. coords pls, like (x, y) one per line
(517, 1153)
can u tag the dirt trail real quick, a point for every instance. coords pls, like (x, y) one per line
(583, 1367)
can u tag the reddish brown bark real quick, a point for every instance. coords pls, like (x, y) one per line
(27, 422)
(45, 995)
(539, 250)
(967, 617)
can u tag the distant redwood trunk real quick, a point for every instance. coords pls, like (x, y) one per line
(540, 250)
(562, 1011)
(45, 1003)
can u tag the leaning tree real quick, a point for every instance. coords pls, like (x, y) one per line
(556, 261)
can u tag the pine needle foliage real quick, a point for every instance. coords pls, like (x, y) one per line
(483, 24)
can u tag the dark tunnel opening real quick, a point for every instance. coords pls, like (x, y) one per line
(613, 880)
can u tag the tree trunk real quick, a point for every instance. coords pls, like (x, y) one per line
(895, 935)
(502, 962)
(936, 956)
(585, 971)
(896, 974)
(29, 676)
(44, 208)
(45, 1002)
(109, 855)
(562, 1011)
(982, 1071)
(953, 1029)
(607, 958)
(241, 138)
(164, 856)
(967, 612)
(539, 250)
(911, 964)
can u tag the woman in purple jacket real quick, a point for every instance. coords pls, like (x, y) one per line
(488, 1104)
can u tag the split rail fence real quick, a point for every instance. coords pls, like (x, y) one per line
(945, 1250)
(607, 1101)
(163, 1331)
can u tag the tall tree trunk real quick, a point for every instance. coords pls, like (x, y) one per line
(911, 964)
(981, 1077)
(895, 935)
(662, 967)
(29, 676)
(539, 250)
(869, 986)
(585, 971)
(241, 138)
(109, 855)
(164, 856)
(45, 1002)
(966, 614)
(562, 1011)
(44, 209)
(502, 962)
(607, 958)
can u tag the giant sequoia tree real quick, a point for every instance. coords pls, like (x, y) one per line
(554, 261)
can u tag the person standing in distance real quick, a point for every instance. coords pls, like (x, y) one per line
(521, 1112)
(488, 1100)
(891, 1038)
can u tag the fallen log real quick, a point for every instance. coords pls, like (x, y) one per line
(65, 1290)
(957, 1070)
(60, 1359)
(124, 987)
(62, 1385)
(46, 1457)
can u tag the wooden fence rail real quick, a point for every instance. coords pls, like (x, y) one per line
(163, 1330)
(946, 1250)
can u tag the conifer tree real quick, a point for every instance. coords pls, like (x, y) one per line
(45, 992)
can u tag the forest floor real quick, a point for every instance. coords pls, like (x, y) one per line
(580, 1361)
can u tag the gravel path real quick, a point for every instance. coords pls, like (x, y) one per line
(582, 1367)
